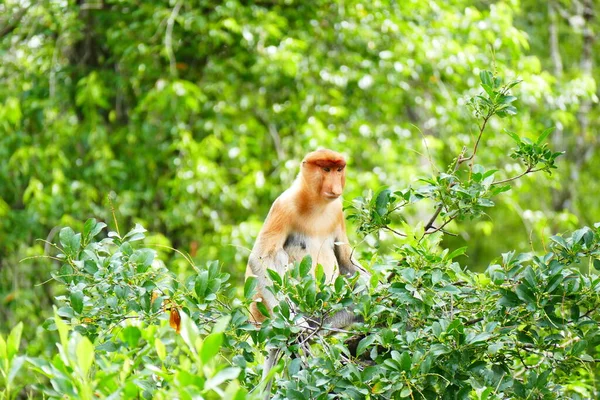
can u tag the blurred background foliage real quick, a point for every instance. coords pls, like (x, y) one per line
(192, 116)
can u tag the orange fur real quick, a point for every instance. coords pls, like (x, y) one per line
(305, 219)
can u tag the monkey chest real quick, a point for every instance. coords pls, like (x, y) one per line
(321, 250)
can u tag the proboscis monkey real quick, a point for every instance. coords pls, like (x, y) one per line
(306, 219)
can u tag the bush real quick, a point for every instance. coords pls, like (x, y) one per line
(525, 328)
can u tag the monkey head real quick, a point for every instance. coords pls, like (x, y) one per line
(324, 174)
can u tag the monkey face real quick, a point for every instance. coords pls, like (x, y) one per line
(325, 172)
(333, 180)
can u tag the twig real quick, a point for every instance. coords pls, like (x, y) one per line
(472, 156)
(399, 206)
(394, 231)
(521, 358)
(169, 39)
(527, 171)
(276, 141)
(274, 135)
(431, 164)
(433, 217)
(445, 232)
(112, 210)
(473, 321)
(440, 227)
(459, 160)
(187, 257)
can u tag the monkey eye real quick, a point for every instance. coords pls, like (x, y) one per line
(340, 169)
(326, 169)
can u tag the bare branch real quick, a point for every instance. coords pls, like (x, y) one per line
(527, 171)
(394, 231)
(481, 129)
(276, 141)
(441, 227)
(169, 39)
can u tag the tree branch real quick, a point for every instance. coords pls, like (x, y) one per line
(459, 160)
(11, 26)
(441, 227)
(481, 129)
(169, 40)
(394, 231)
(527, 171)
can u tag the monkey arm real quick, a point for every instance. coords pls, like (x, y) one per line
(268, 253)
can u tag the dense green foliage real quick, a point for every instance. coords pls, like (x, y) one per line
(190, 117)
(526, 328)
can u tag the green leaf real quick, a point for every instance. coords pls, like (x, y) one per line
(250, 287)
(405, 361)
(339, 284)
(295, 366)
(508, 299)
(544, 135)
(578, 235)
(13, 342)
(63, 329)
(553, 283)
(506, 111)
(458, 252)
(221, 324)
(293, 394)
(381, 204)
(275, 277)
(284, 309)
(189, 330)
(575, 312)
(132, 335)
(436, 328)
(222, 376)
(88, 226)
(3, 350)
(305, 266)
(479, 338)
(161, 350)
(143, 259)
(525, 294)
(579, 347)
(263, 309)
(439, 349)
(488, 89)
(507, 99)
(365, 343)
(137, 233)
(319, 273)
(76, 298)
(69, 241)
(486, 78)
(85, 355)
(201, 284)
(15, 367)
(513, 135)
(559, 240)
(211, 346)
(97, 229)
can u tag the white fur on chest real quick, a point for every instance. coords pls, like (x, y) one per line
(320, 248)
